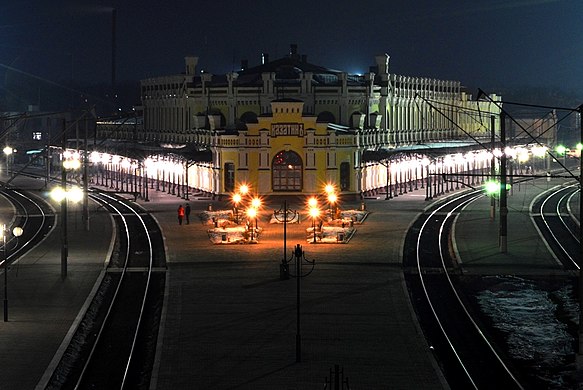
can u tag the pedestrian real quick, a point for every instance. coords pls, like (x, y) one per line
(187, 213)
(180, 214)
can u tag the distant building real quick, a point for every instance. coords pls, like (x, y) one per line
(288, 126)
(526, 128)
(29, 133)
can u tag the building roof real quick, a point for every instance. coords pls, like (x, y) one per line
(288, 70)
(428, 149)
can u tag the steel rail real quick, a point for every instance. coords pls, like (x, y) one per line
(109, 201)
(473, 196)
(549, 229)
(566, 199)
(442, 232)
(26, 216)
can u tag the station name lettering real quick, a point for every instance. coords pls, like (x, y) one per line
(289, 129)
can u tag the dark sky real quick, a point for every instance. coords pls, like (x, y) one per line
(485, 44)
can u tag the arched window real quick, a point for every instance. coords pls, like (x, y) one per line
(286, 171)
(249, 117)
(326, 117)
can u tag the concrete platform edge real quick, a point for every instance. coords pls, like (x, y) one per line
(160, 340)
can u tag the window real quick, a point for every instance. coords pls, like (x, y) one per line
(344, 176)
(287, 171)
(229, 177)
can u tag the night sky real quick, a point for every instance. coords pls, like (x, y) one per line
(486, 44)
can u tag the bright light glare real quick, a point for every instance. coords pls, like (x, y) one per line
(17, 231)
(149, 163)
(95, 157)
(125, 163)
(75, 194)
(58, 194)
(329, 188)
(7, 150)
(539, 151)
(256, 202)
(72, 164)
(314, 212)
(236, 198)
(492, 187)
(312, 202)
(522, 154)
(251, 212)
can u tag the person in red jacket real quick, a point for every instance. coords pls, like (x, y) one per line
(180, 214)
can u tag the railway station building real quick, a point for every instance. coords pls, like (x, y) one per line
(287, 126)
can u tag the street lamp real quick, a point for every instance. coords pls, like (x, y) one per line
(314, 213)
(252, 214)
(244, 189)
(286, 211)
(329, 189)
(17, 232)
(70, 161)
(540, 152)
(332, 198)
(236, 200)
(256, 203)
(7, 152)
(300, 258)
(62, 195)
(313, 202)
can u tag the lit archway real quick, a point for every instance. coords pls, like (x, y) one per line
(287, 168)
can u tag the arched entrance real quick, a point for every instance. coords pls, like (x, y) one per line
(286, 171)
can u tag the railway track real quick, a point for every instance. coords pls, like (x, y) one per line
(553, 218)
(469, 360)
(33, 215)
(114, 345)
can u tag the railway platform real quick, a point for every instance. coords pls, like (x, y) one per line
(526, 253)
(42, 307)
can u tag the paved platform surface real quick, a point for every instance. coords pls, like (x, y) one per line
(230, 322)
(477, 236)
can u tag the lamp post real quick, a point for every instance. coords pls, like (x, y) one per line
(244, 189)
(300, 258)
(252, 214)
(256, 204)
(62, 195)
(70, 161)
(236, 200)
(8, 152)
(332, 199)
(283, 269)
(17, 232)
(314, 213)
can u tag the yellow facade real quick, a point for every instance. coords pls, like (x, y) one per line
(287, 153)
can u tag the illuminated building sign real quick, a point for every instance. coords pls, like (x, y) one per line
(287, 129)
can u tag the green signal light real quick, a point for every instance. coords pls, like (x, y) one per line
(560, 149)
(493, 187)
